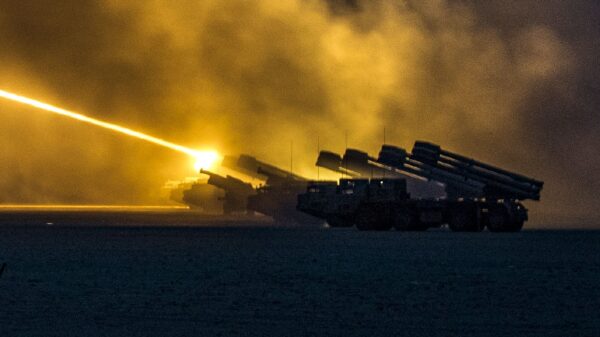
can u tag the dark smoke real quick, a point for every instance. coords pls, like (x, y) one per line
(511, 82)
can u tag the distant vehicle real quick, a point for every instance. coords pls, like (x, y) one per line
(204, 197)
(477, 195)
(197, 195)
(279, 194)
(276, 197)
(236, 192)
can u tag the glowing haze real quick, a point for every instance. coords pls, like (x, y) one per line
(511, 82)
(203, 159)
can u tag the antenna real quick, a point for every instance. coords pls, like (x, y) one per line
(291, 158)
(318, 152)
(383, 144)
(345, 160)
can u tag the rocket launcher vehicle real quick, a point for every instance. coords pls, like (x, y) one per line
(477, 195)
(276, 198)
(464, 177)
(358, 164)
(236, 191)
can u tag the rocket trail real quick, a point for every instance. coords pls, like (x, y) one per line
(106, 125)
(204, 158)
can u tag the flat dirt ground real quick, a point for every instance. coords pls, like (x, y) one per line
(163, 276)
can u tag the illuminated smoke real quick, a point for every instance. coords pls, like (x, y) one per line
(513, 83)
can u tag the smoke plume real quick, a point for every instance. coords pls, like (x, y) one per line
(509, 82)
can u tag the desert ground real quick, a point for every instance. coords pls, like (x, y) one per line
(124, 273)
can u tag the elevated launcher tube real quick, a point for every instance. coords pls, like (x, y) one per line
(463, 177)
(456, 185)
(236, 191)
(354, 163)
(359, 164)
(227, 182)
(460, 173)
(270, 171)
(334, 162)
(477, 195)
(278, 197)
(258, 169)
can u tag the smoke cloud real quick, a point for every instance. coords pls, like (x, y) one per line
(509, 82)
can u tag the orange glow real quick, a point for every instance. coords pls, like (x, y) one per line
(204, 159)
(11, 207)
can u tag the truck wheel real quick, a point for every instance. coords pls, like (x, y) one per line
(502, 218)
(512, 225)
(463, 218)
(363, 223)
(497, 220)
(408, 221)
(516, 226)
(368, 219)
(337, 222)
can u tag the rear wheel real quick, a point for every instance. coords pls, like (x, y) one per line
(407, 220)
(465, 218)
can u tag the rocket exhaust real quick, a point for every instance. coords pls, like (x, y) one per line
(204, 159)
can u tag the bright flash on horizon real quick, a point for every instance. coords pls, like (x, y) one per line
(203, 159)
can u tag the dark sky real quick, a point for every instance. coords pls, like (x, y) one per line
(514, 83)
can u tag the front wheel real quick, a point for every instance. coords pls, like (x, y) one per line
(499, 220)
(338, 222)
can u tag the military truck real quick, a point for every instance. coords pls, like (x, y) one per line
(197, 194)
(204, 197)
(371, 204)
(478, 195)
(278, 196)
(275, 197)
(236, 192)
(357, 164)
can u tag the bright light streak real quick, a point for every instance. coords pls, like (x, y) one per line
(204, 159)
(11, 207)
